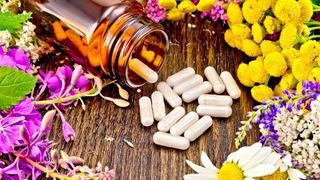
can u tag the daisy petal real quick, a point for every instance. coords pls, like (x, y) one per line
(295, 174)
(231, 156)
(207, 163)
(241, 153)
(251, 152)
(258, 158)
(199, 169)
(273, 158)
(260, 170)
(200, 176)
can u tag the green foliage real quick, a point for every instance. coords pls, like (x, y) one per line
(12, 22)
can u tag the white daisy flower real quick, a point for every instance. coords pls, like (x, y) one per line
(246, 163)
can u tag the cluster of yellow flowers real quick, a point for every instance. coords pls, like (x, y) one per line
(177, 11)
(277, 35)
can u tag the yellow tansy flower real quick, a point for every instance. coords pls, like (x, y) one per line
(243, 75)
(264, 4)
(234, 13)
(309, 51)
(261, 93)
(306, 10)
(252, 12)
(175, 14)
(187, 6)
(167, 4)
(288, 36)
(241, 31)
(275, 64)
(287, 10)
(301, 69)
(303, 30)
(267, 47)
(251, 48)
(278, 91)
(229, 38)
(290, 55)
(257, 72)
(258, 32)
(314, 74)
(238, 43)
(205, 5)
(299, 87)
(271, 24)
(288, 81)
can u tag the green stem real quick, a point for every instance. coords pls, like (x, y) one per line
(65, 99)
(42, 168)
(314, 28)
(312, 23)
(267, 81)
(313, 37)
(316, 10)
(315, 6)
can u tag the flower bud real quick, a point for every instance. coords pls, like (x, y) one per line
(76, 74)
(24, 134)
(76, 160)
(55, 156)
(47, 118)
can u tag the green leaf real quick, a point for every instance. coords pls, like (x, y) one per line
(12, 22)
(14, 86)
(316, 2)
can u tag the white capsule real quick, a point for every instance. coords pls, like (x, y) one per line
(195, 92)
(231, 85)
(169, 95)
(215, 100)
(143, 70)
(184, 123)
(214, 111)
(180, 76)
(171, 141)
(214, 78)
(188, 84)
(170, 119)
(159, 109)
(198, 128)
(146, 115)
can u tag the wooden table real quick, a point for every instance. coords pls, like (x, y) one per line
(195, 47)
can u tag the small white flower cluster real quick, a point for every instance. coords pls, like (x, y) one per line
(299, 135)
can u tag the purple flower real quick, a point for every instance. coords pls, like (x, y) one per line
(67, 131)
(15, 58)
(216, 13)
(154, 11)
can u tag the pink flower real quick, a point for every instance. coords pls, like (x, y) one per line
(67, 131)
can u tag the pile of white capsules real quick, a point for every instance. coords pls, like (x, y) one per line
(178, 128)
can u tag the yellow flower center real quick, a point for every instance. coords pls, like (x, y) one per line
(230, 171)
(276, 176)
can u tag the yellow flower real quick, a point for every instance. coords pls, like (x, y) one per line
(187, 6)
(257, 72)
(288, 36)
(264, 4)
(175, 14)
(299, 87)
(314, 74)
(242, 74)
(234, 13)
(251, 48)
(278, 175)
(301, 69)
(306, 10)
(278, 91)
(229, 38)
(258, 32)
(309, 51)
(238, 43)
(241, 31)
(287, 10)
(168, 4)
(205, 5)
(261, 93)
(252, 12)
(288, 81)
(271, 24)
(290, 55)
(275, 64)
(269, 47)
(303, 30)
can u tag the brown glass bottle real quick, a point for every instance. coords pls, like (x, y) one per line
(102, 33)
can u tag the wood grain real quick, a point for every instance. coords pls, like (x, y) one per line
(197, 48)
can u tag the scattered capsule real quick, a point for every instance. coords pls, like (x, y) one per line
(188, 84)
(231, 85)
(215, 100)
(195, 92)
(171, 141)
(214, 111)
(214, 78)
(180, 76)
(184, 123)
(170, 119)
(159, 109)
(146, 115)
(169, 95)
(143, 70)
(198, 128)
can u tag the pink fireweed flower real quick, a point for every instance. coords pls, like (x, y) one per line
(154, 11)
